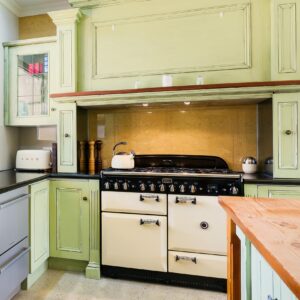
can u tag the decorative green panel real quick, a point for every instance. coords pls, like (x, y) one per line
(279, 191)
(69, 225)
(286, 142)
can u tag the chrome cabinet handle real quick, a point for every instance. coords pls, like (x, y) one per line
(16, 258)
(150, 197)
(193, 200)
(13, 201)
(149, 221)
(186, 258)
(67, 135)
(288, 132)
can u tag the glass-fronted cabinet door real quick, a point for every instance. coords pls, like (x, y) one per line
(30, 74)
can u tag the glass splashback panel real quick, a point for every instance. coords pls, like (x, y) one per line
(33, 85)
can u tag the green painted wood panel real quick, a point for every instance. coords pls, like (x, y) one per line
(39, 224)
(67, 138)
(279, 191)
(250, 190)
(69, 222)
(286, 142)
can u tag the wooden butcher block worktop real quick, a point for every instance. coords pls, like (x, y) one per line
(273, 227)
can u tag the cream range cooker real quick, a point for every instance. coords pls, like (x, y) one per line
(161, 221)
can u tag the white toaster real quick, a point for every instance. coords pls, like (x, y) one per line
(33, 160)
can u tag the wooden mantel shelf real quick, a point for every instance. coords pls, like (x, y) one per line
(273, 227)
(222, 91)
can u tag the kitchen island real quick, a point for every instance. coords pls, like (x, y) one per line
(263, 248)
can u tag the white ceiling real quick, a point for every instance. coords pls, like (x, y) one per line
(34, 7)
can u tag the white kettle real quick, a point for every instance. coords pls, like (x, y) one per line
(122, 160)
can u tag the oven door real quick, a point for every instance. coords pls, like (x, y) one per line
(134, 241)
(196, 224)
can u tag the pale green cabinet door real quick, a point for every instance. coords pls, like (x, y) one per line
(29, 79)
(69, 223)
(286, 135)
(39, 224)
(250, 190)
(285, 40)
(279, 191)
(67, 138)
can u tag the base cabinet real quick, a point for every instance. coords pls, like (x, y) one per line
(39, 224)
(69, 224)
(279, 191)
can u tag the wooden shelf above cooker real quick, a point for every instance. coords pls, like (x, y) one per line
(257, 91)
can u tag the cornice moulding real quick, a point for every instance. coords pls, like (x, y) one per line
(12, 6)
(66, 16)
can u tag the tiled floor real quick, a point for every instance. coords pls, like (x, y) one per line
(58, 285)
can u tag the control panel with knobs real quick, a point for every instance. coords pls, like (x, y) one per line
(184, 186)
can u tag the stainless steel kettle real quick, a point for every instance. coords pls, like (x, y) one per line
(122, 160)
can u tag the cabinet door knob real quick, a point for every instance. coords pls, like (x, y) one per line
(53, 109)
(84, 198)
(288, 132)
(67, 135)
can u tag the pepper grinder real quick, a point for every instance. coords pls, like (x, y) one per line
(98, 156)
(82, 157)
(92, 157)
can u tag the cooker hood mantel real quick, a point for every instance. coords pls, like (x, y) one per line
(244, 91)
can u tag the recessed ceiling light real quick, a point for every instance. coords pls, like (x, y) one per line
(145, 104)
(183, 111)
(149, 112)
(187, 102)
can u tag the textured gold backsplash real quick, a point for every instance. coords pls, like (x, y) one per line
(225, 131)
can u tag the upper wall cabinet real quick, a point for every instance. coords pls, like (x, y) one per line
(125, 44)
(29, 78)
(285, 39)
(286, 142)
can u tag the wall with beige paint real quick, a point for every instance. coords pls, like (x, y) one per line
(226, 131)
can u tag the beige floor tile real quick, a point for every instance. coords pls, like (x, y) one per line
(59, 285)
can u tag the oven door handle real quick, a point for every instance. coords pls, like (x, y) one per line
(193, 200)
(149, 221)
(186, 258)
(13, 260)
(150, 197)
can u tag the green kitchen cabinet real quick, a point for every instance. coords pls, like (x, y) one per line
(285, 40)
(250, 190)
(29, 79)
(75, 223)
(69, 225)
(67, 138)
(279, 191)
(38, 231)
(286, 142)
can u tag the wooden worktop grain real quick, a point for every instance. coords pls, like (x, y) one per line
(273, 227)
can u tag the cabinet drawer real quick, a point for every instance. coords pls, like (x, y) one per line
(144, 203)
(188, 218)
(134, 241)
(198, 264)
(14, 221)
(14, 266)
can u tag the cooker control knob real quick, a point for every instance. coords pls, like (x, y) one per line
(192, 189)
(182, 188)
(125, 186)
(116, 186)
(172, 188)
(106, 185)
(162, 188)
(142, 187)
(234, 190)
(152, 187)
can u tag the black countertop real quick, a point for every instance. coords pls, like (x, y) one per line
(10, 179)
(262, 178)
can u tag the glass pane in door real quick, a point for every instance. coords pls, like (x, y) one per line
(33, 85)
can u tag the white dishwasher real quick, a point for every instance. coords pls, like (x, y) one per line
(14, 250)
